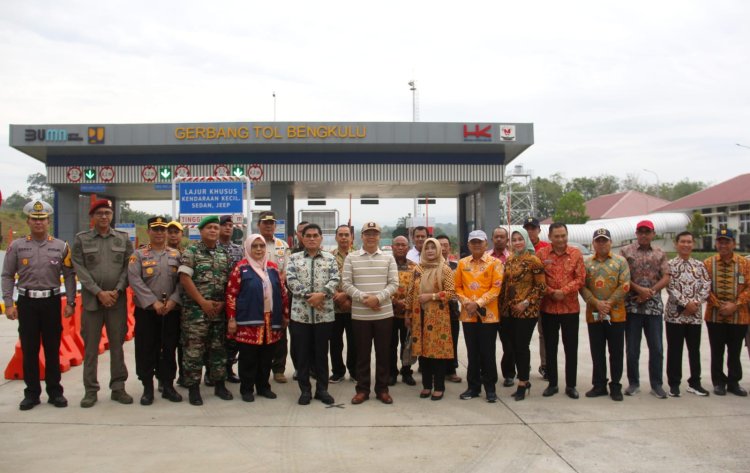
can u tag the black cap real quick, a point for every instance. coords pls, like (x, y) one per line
(725, 233)
(602, 232)
(225, 219)
(531, 222)
(154, 222)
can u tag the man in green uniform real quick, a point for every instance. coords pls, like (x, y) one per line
(38, 260)
(204, 271)
(100, 258)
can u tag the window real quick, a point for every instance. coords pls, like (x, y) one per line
(745, 223)
(709, 225)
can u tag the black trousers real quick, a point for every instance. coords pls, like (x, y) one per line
(39, 320)
(156, 344)
(480, 350)
(310, 342)
(452, 365)
(254, 366)
(507, 362)
(433, 373)
(601, 336)
(729, 336)
(366, 334)
(679, 335)
(343, 325)
(553, 325)
(398, 335)
(521, 331)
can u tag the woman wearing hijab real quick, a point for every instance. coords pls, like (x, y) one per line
(428, 313)
(523, 289)
(257, 316)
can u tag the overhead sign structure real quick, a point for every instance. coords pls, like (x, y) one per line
(210, 197)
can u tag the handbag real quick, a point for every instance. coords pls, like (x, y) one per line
(407, 358)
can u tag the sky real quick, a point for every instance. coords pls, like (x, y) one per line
(611, 87)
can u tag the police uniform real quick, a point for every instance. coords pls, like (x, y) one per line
(101, 262)
(209, 270)
(38, 264)
(152, 275)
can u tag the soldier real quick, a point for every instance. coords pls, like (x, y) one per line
(152, 273)
(38, 260)
(235, 252)
(204, 271)
(100, 257)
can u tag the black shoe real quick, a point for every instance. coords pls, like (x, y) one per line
(425, 393)
(615, 393)
(267, 393)
(207, 381)
(324, 397)
(58, 401)
(194, 395)
(468, 394)
(720, 390)
(408, 379)
(248, 397)
(491, 397)
(571, 393)
(543, 372)
(596, 392)
(521, 391)
(674, 391)
(550, 391)
(148, 393)
(335, 379)
(170, 393)
(304, 398)
(28, 403)
(232, 378)
(221, 391)
(737, 390)
(508, 382)
(392, 380)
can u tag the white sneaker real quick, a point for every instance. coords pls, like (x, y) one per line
(632, 390)
(698, 390)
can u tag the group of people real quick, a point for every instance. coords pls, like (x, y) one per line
(201, 308)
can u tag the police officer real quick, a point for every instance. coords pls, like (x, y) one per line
(235, 252)
(204, 271)
(152, 274)
(100, 257)
(38, 260)
(174, 240)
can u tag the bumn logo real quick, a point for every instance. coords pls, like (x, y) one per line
(53, 134)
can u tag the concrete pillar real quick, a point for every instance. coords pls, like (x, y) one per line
(489, 206)
(280, 191)
(67, 213)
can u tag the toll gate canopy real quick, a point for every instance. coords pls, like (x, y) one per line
(286, 160)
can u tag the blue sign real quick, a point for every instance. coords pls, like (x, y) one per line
(210, 197)
(93, 188)
(163, 187)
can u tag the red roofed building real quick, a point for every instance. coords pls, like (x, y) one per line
(727, 203)
(623, 204)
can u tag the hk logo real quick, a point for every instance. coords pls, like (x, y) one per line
(478, 133)
(96, 135)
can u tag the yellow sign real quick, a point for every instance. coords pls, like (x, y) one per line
(291, 132)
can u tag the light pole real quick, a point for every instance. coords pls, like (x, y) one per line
(413, 88)
(658, 186)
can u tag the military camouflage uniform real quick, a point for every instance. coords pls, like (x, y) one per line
(209, 269)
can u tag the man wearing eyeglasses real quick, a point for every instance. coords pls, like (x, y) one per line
(100, 258)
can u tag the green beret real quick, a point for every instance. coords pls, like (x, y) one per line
(207, 220)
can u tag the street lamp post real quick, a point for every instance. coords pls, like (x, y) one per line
(413, 88)
(658, 186)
